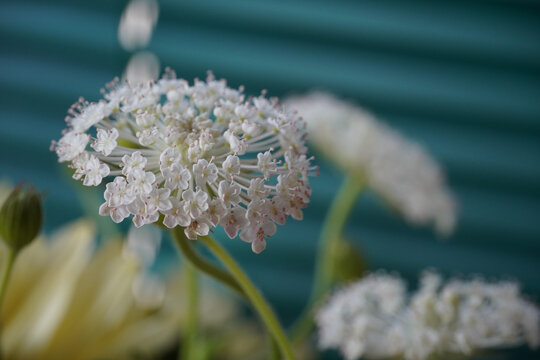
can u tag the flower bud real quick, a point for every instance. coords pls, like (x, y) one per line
(348, 263)
(21, 217)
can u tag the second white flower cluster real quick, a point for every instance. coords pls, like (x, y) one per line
(398, 169)
(375, 319)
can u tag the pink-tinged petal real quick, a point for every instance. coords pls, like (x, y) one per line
(269, 229)
(138, 221)
(232, 231)
(190, 233)
(248, 235)
(119, 214)
(170, 221)
(165, 205)
(258, 245)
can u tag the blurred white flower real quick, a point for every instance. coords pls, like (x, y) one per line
(142, 67)
(68, 300)
(375, 319)
(137, 23)
(144, 243)
(191, 156)
(400, 171)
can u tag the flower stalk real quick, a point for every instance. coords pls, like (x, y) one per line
(332, 228)
(10, 256)
(201, 264)
(330, 234)
(279, 342)
(253, 294)
(189, 348)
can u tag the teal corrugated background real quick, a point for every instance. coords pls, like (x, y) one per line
(460, 77)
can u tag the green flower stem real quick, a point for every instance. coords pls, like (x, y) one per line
(214, 272)
(331, 233)
(6, 273)
(274, 349)
(257, 300)
(330, 237)
(203, 265)
(189, 348)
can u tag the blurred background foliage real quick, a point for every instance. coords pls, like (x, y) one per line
(460, 77)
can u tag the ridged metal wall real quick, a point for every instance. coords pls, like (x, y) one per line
(460, 77)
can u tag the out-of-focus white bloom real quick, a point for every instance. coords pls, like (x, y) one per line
(375, 319)
(196, 156)
(68, 300)
(397, 169)
(137, 23)
(142, 67)
(134, 32)
(143, 243)
(356, 318)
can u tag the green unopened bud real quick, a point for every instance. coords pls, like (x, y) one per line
(348, 263)
(21, 217)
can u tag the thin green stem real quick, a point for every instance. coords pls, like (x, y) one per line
(274, 349)
(218, 274)
(6, 273)
(257, 300)
(189, 348)
(10, 256)
(331, 233)
(203, 265)
(330, 237)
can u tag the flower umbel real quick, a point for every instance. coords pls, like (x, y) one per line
(399, 170)
(375, 319)
(191, 155)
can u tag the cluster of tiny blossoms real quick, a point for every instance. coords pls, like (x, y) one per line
(397, 169)
(375, 319)
(193, 156)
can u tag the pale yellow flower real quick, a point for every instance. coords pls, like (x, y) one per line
(68, 300)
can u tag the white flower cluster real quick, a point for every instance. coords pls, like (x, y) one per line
(374, 318)
(191, 155)
(397, 169)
